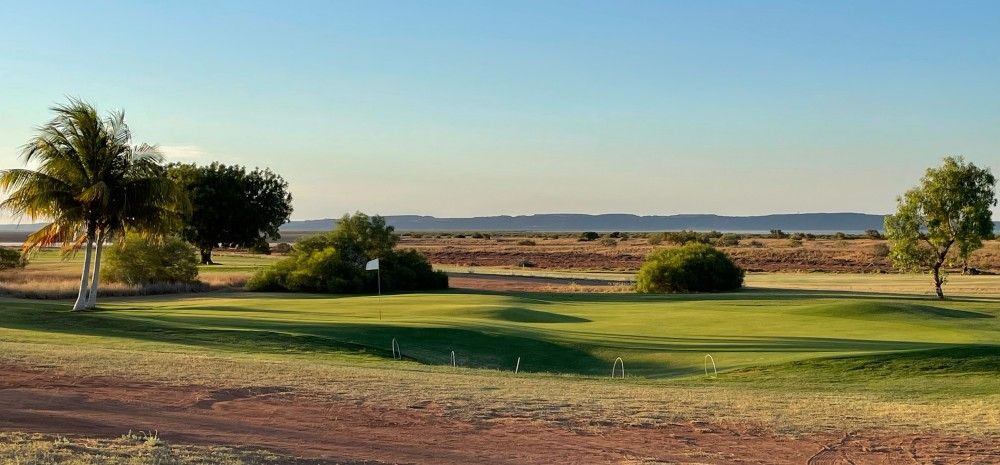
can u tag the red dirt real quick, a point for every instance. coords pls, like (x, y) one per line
(503, 283)
(34, 400)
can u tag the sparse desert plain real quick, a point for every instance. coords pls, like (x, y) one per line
(797, 368)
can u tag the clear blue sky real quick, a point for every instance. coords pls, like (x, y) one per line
(481, 108)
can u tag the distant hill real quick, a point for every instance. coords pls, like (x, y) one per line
(829, 222)
(26, 227)
(571, 222)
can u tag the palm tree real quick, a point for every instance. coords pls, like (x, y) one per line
(91, 183)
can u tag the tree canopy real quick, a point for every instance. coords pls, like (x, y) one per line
(943, 219)
(230, 206)
(334, 262)
(92, 183)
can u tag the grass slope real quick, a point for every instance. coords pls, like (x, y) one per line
(787, 338)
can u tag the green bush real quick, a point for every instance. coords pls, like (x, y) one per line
(778, 234)
(526, 242)
(728, 240)
(11, 258)
(141, 260)
(589, 236)
(691, 268)
(335, 262)
(873, 234)
(609, 242)
(684, 236)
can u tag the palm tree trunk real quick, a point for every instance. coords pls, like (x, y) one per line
(81, 299)
(92, 298)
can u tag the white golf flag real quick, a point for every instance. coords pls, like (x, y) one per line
(372, 265)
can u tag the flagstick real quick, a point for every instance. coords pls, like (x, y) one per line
(378, 274)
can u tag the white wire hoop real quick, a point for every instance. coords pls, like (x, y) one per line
(396, 353)
(715, 372)
(617, 361)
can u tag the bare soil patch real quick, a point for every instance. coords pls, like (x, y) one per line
(308, 425)
(765, 255)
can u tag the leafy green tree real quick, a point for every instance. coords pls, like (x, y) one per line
(694, 267)
(141, 259)
(92, 183)
(335, 262)
(231, 207)
(948, 212)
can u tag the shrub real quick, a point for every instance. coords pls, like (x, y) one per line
(728, 240)
(873, 234)
(795, 242)
(615, 235)
(526, 242)
(141, 260)
(260, 247)
(655, 239)
(525, 263)
(609, 242)
(335, 262)
(881, 250)
(840, 236)
(589, 236)
(690, 268)
(282, 248)
(755, 244)
(778, 234)
(11, 258)
(683, 237)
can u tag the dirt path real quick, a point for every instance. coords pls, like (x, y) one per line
(35, 400)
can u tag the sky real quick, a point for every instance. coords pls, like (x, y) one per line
(483, 108)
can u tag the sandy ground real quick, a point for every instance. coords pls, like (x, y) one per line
(280, 419)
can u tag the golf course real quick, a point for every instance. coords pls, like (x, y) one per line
(791, 368)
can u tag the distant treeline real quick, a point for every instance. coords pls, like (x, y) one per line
(798, 222)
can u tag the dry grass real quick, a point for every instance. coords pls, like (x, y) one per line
(51, 278)
(832, 255)
(132, 448)
(574, 402)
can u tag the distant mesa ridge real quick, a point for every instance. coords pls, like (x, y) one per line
(574, 222)
(563, 222)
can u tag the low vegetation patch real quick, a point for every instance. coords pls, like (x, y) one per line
(141, 260)
(335, 262)
(11, 258)
(694, 267)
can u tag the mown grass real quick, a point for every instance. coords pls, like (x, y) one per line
(657, 336)
(793, 360)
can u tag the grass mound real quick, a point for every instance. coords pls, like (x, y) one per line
(889, 310)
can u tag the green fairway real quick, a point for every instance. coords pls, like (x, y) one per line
(786, 338)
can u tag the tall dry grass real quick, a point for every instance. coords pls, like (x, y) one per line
(56, 281)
